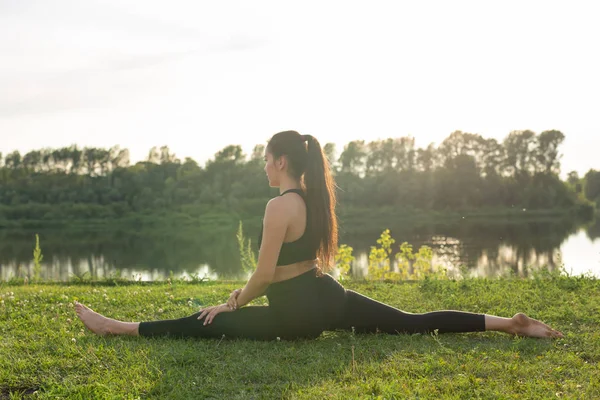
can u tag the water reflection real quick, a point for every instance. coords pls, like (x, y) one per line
(103, 254)
(97, 267)
(491, 249)
(499, 248)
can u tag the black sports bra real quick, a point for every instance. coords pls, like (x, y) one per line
(298, 250)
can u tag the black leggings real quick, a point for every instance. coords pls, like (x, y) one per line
(305, 306)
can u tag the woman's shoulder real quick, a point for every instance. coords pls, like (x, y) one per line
(281, 204)
(276, 205)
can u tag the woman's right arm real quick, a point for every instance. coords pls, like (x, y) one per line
(232, 302)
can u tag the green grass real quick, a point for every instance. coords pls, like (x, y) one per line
(44, 347)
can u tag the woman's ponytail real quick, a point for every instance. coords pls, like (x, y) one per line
(321, 200)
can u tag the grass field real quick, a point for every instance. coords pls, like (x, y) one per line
(45, 352)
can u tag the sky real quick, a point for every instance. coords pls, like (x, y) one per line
(197, 76)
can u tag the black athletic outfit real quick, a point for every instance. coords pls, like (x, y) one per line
(307, 305)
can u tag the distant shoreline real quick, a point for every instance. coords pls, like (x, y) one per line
(349, 217)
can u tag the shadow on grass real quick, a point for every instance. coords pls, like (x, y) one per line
(17, 391)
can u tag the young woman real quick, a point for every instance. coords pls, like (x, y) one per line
(297, 247)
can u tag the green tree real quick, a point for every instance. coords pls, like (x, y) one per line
(231, 153)
(493, 156)
(374, 162)
(13, 160)
(459, 143)
(258, 153)
(352, 159)
(426, 158)
(574, 180)
(153, 156)
(546, 154)
(519, 147)
(47, 160)
(466, 171)
(592, 186)
(76, 160)
(32, 161)
(166, 157)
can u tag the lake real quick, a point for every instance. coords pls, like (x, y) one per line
(490, 248)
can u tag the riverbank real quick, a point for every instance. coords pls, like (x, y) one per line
(45, 348)
(219, 219)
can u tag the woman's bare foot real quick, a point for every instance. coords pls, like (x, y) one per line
(522, 325)
(95, 322)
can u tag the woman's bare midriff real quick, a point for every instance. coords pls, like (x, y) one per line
(285, 272)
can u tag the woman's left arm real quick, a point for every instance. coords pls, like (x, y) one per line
(275, 225)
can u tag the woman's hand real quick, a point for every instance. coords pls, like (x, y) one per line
(212, 311)
(232, 302)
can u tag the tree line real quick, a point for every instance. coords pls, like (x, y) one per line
(466, 171)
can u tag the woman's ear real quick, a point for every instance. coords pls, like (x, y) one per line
(281, 162)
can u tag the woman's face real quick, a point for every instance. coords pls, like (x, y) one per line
(271, 170)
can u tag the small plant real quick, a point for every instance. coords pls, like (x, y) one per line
(379, 257)
(80, 278)
(410, 265)
(247, 256)
(343, 259)
(195, 278)
(37, 259)
(404, 258)
(419, 265)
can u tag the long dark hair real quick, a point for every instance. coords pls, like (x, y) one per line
(308, 164)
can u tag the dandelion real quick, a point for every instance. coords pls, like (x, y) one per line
(189, 303)
(135, 293)
(69, 320)
(171, 297)
(73, 340)
(160, 310)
